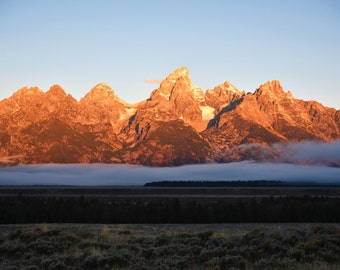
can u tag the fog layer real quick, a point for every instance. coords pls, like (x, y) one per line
(307, 161)
(302, 153)
(92, 175)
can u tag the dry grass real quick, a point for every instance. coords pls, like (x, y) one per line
(232, 246)
(44, 228)
(105, 233)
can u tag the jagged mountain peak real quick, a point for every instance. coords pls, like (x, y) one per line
(21, 98)
(103, 88)
(179, 79)
(224, 89)
(272, 91)
(56, 91)
(270, 87)
(28, 91)
(222, 95)
(230, 87)
(102, 104)
(100, 91)
(179, 72)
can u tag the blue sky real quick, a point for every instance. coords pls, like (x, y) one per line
(123, 43)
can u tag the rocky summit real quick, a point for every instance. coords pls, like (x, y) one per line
(179, 124)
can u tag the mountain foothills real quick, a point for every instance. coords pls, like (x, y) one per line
(178, 124)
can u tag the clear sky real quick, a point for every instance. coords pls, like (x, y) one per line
(79, 43)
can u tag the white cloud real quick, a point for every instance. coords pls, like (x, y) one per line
(307, 152)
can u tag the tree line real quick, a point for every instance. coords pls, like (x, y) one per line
(169, 210)
(236, 183)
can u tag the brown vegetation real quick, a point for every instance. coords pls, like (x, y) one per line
(66, 246)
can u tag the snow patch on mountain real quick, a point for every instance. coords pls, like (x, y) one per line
(129, 112)
(167, 97)
(207, 112)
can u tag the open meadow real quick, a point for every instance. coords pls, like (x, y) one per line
(213, 246)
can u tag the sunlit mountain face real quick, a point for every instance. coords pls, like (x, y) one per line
(179, 124)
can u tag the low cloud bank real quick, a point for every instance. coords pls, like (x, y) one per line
(312, 153)
(302, 153)
(118, 175)
(305, 161)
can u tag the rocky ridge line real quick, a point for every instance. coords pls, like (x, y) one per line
(178, 124)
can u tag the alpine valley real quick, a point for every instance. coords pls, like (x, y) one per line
(179, 124)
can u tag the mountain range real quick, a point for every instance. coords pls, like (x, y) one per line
(178, 124)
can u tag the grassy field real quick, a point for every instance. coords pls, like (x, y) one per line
(213, 246)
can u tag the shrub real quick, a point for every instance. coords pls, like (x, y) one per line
(183, 235)
(72, 259)
(57, 265)
(205, 235)
(32, 267)
(8, 267)
(105, 233)
(228, 262)
(53, 263)
(125, 232)
(195, 250)
(44, 228)
(116, 260)
(162, 240)
(148, 253)
(83, 233)
(206, 255)
(213, 263)
(90, 262)
(42, 247)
